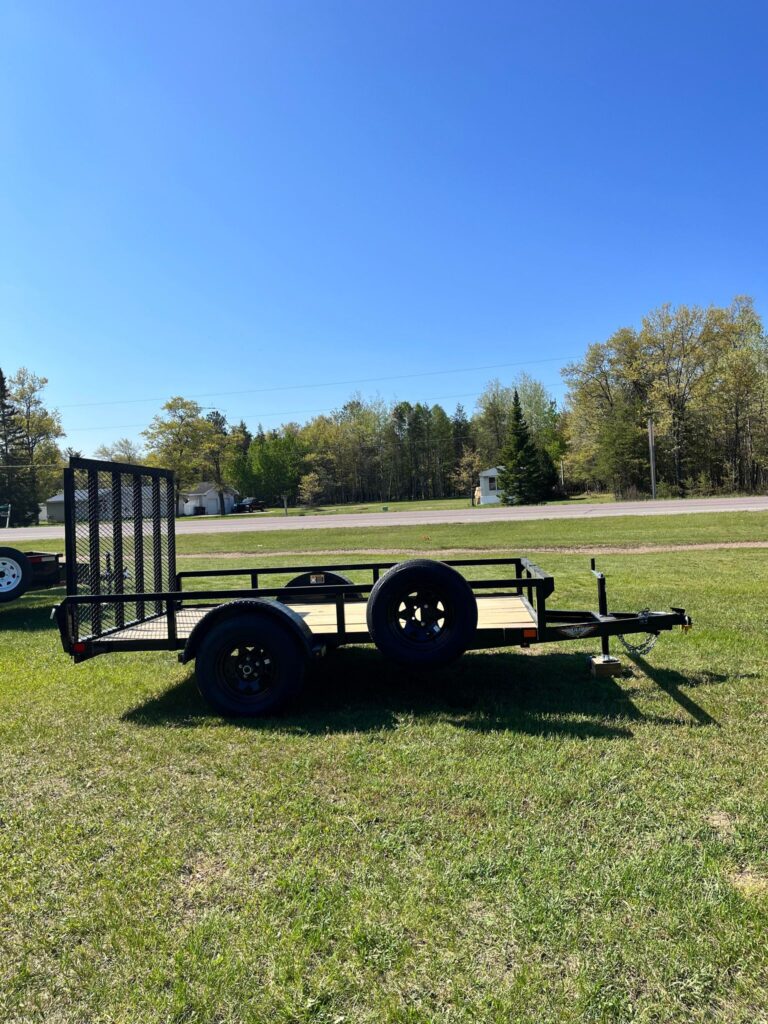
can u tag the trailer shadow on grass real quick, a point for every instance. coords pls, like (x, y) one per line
(355, 690)
(31, 612)
(671, 682)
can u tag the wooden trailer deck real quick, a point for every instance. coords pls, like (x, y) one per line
(494, 611)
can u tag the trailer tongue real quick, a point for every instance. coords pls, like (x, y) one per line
(252, 645)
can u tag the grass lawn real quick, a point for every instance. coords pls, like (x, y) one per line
(630, 531)
(505, 841)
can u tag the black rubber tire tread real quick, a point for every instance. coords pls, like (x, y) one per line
(26, 575)
(279, 640)
(458, 600)
(304, 581)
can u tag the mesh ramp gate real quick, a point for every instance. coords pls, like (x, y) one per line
(120, 540)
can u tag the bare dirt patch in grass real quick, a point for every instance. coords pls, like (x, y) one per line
(722, 823)
(201, 877)
(750, 882)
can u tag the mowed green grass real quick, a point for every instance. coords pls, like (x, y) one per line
(629, 531)
(508, 840)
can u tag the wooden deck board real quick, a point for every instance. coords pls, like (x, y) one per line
(494, 612)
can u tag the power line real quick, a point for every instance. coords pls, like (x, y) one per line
(324, 384)
(286, 412)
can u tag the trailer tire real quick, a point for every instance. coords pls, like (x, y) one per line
(15, 574)
(422, 613)
(250, 665)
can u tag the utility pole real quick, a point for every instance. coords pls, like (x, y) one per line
(652, 451)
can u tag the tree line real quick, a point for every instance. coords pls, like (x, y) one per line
(699, 374)
(367, 450)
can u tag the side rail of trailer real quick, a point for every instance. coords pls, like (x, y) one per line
(252, 643)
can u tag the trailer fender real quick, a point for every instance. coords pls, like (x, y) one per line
(270, 609)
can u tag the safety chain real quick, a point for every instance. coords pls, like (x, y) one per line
(645, 646)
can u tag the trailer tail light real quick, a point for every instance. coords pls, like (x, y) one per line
(79, 647)
(34, 559)
(529, 634)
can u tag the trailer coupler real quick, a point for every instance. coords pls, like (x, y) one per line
(687, 622)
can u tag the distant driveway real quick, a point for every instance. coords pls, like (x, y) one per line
(427, 518)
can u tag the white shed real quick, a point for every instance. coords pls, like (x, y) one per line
(206, 495)
(489, 484)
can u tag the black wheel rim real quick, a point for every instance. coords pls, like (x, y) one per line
(421, 617)
(248, 671)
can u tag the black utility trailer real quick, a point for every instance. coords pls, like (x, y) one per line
(252, 645)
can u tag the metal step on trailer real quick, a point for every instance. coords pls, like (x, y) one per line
(252, 642)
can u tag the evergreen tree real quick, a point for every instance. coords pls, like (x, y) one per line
(15, 488)
(462, 432)
(520, 481)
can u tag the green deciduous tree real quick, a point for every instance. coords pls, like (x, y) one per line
(606, 418)
(175, 440)
(40, 429)
(467, 473)
(276, 462)
(701, 375)
(310, 488)
(678, 349)
(122, 450)
(491, 421)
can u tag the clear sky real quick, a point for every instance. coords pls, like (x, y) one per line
(272, 197)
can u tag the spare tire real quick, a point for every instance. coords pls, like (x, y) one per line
(15, 574)
(422, 613)
(315, 578)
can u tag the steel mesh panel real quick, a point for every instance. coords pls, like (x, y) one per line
(121, 521)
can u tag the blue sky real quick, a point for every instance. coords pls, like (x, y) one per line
(271, 198)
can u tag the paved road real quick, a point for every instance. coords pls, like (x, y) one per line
(426, 518)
